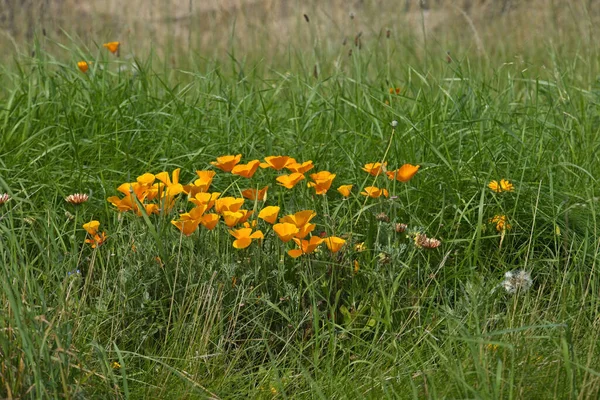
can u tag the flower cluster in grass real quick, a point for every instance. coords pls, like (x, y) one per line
(247, 217)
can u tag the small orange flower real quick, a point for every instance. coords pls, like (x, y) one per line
(289, 181)
(374, 168)
(210, 221)
(205, 199)
(269, 214)
(97, 239)
(404, 173)
(501, 222)
(395, 90)
(285, 231)
(254, 194)
(277, 162)
(322, 181)
(243, 237)
(334, 243)
(226, 163)
(200, 185)
(301, 168)
(374, 192)
(228, 204)
(113, 47)
(503, 186)
(83, 66)
(306, 246)
(345, 190)
(246, 170)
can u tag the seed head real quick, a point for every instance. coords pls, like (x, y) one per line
(517, 281)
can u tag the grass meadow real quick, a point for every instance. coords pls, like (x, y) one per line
(472, 276)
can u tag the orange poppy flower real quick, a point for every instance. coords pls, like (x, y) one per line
(300, 168)
(226, 163)
(277, 162)
(322, 181)
(200, 185)
(228, 204)
(97, 239)
(285, 231)
(269, 214)
(243, 237)
(374, 168)
(246, 170)
(334, 244)
(306, 246)
(91, 227)
(345, 190)
(374, 192)
(210, 221)
(205, 199)
(188, 222)
(289, 181)
(232, 218)
(83, 66)
(113, 47)
(300, 218)
(404, 173)
(254, 194)
(173, 187)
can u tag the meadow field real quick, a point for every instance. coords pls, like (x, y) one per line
(270, 199)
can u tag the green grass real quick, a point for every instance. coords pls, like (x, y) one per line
(411, 323)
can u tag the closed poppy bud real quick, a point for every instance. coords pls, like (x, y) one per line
(83, 66)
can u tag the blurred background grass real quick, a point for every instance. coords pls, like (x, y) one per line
(266, 31)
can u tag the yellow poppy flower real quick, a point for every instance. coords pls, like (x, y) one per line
(300, 168)
(334, 244)
(285, 231)
(243, 237)
(228, 204)
(345, 190)
(374, 192)
(289, 181)
(306, 246)
(83, 66)
(404, 173)
(374, 168)
(205, 199)
(300, 218)
(97, 239)
(246, 170)
(277, 162)
(226, 163)
(322, 181)
(269, 214)
(254, 194)
(232, 218)
(92, 227)
(113, 47)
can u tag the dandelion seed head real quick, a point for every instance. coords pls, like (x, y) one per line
(517, 281)
(394, 123)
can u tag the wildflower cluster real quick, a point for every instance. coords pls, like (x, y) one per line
(157, 194)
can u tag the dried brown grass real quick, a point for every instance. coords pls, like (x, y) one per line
(266, 29)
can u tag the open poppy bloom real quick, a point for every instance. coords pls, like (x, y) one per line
(200, 185)
(345, 190)
(226, 163)
(269, 214)
(277, 162)
(243, 237)
(173, 188)
(113, 47)
(322, 181)
(232, 218)
(334, 243)
(285, 231)
(306, 246)
(300, 168)
(375, 192)
(205, 199)
(254, 194)
(97, 239)
(143, 190)
(83, 66)
(301, 220)
(503, 186)
(404, 173)
(246, 170)
(210, 221)
(289, 181)
(188, 222)
(228, 204)
(374, 168)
